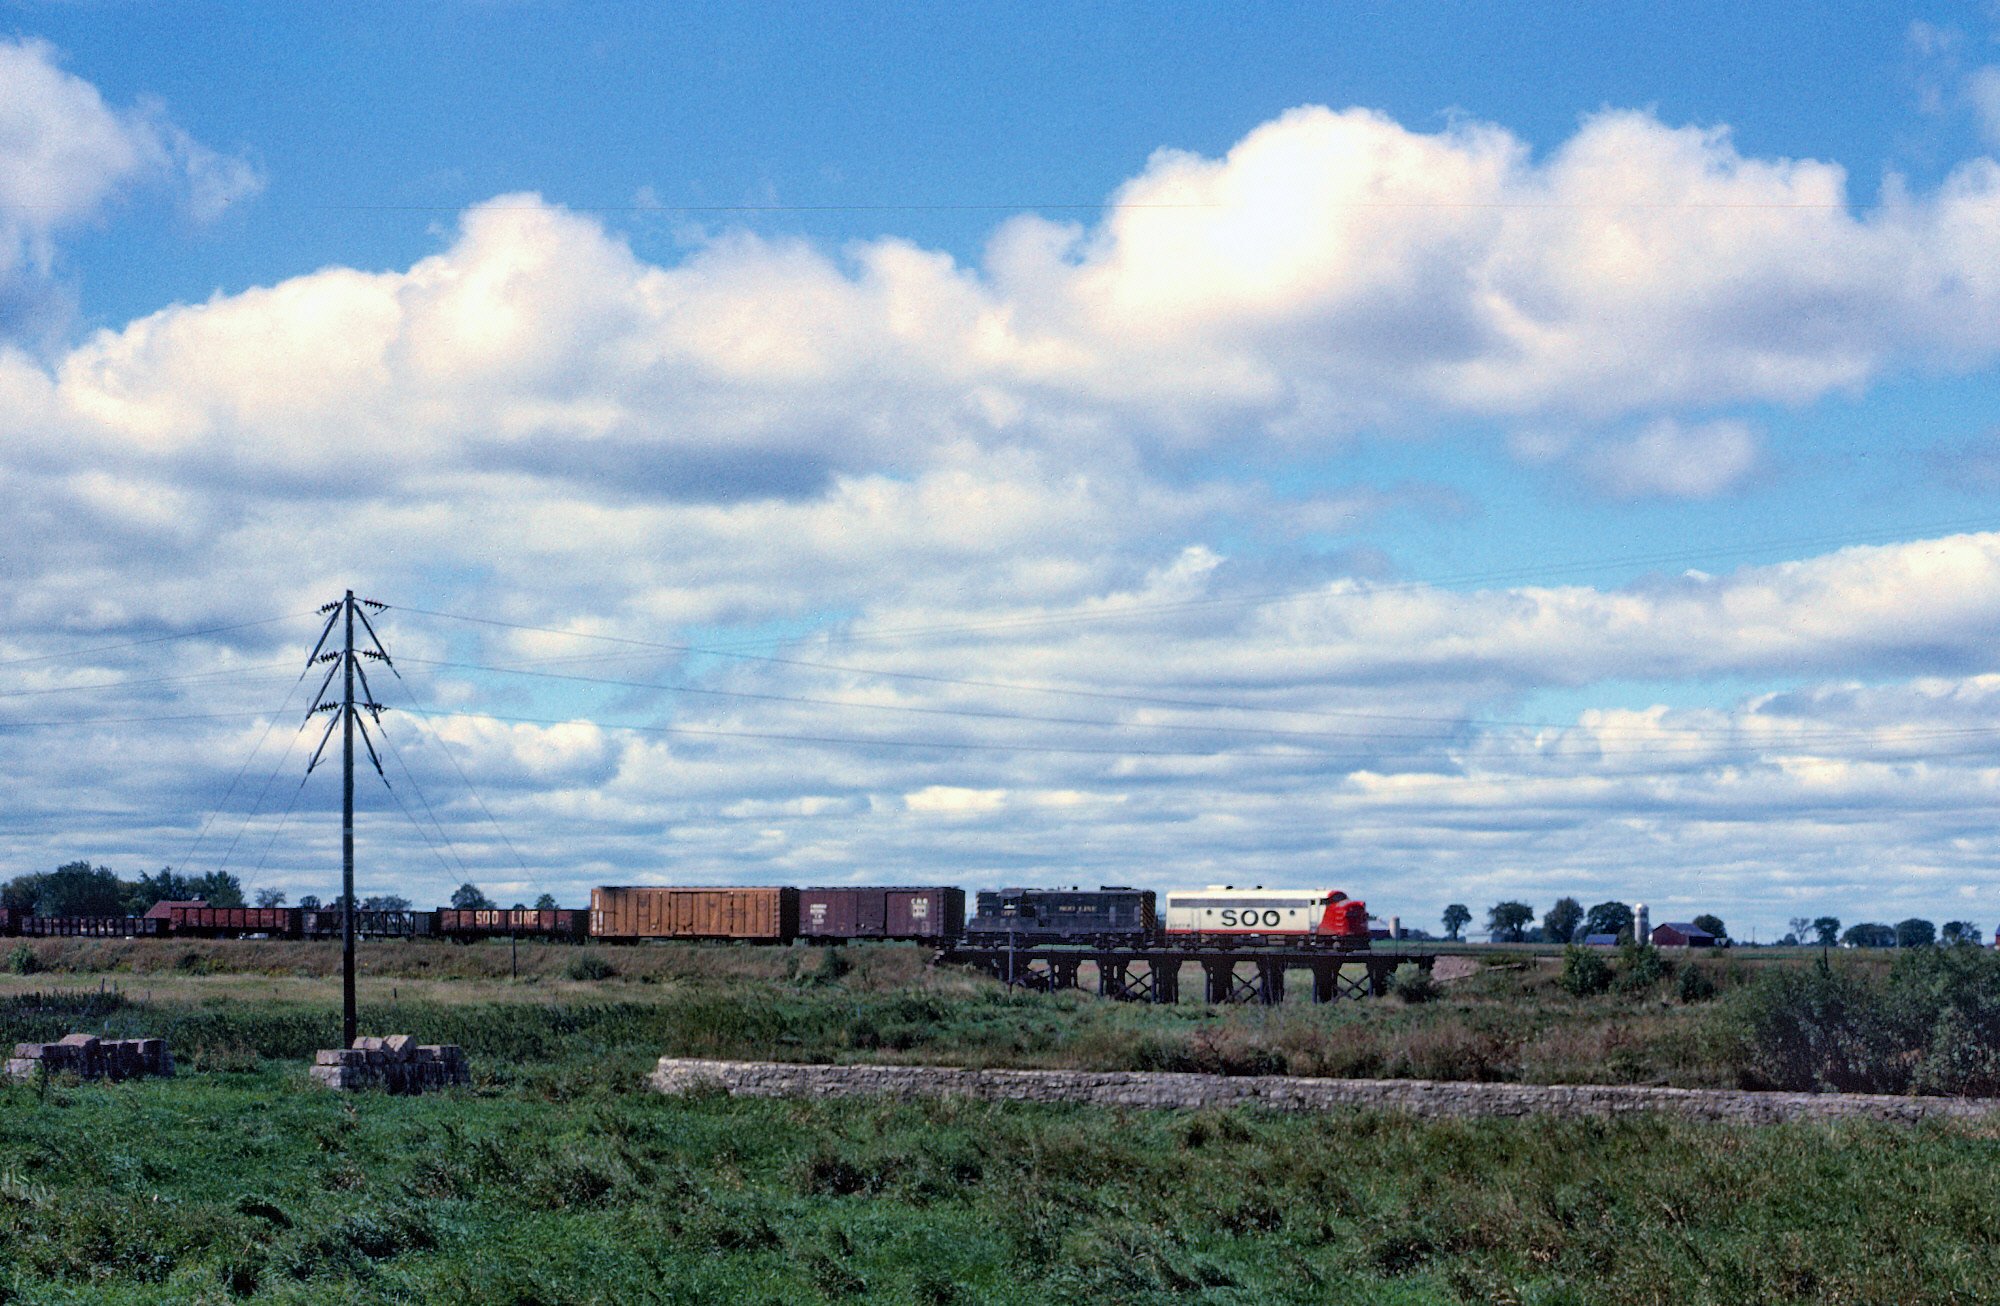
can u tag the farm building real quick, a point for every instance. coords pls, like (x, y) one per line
(1680, 934)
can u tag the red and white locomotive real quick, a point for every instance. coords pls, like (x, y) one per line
(1226, 913)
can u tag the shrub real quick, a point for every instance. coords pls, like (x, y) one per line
(1640, 967)
(1584, 971)
(1695, 984)
(22, 960)
(1945, 1007)
(1413, 984)
(1818, 1028)
(589, 966)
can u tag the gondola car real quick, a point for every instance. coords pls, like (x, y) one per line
(1110, 917)
(369, 923)
(464, 924)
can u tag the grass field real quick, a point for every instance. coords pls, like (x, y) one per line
(558, 1178)
(1506, 1022)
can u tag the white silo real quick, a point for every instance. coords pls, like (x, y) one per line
(1641, 928)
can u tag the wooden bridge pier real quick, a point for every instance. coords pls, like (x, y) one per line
(1242, 975)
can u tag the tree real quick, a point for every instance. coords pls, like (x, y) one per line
(387, 902)
(1559, 925)
(1800, 928)
(1828, 929)
(1960, 932)
(1509, 918)
(467, 897)
(1608, 918)
(547, 902)
(165, 885)
(271, 898)
(1869, 935)
(1915, 932)
(219, 889)
(310, 902)
(1713, 924)
(72, 889)
(1456, 917)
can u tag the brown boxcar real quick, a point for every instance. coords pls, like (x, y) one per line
(491, 922)
(761, 915)
(931, 913)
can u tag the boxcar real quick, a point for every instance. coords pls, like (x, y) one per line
(233, 922)
(1107, 917)
(931, 914)
(758, 915)
(502, 922)
(1224, 913)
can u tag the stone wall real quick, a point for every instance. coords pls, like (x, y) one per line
(1422, 1097)
(88, 1057)
(397, 1063)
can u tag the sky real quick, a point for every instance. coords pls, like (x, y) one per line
(1448, 453)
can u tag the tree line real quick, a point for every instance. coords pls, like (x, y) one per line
(80, 889)
(1569, 922)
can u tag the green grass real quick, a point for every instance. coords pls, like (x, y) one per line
(251, 1183)
(558, 1177)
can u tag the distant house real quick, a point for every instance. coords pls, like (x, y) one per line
(1680, 934)
(1600, 940)
(159, 910)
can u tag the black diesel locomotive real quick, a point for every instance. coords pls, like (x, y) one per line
(1111, 917)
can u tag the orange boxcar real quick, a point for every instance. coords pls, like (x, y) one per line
(645, 912)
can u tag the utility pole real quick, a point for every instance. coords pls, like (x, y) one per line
(345, 612)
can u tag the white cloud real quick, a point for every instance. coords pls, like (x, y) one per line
(1982, 93)
(1666, 458)
(65, 155)
(886, 461)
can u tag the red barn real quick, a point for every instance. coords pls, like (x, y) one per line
(1680, 934)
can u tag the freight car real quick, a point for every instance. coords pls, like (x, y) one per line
(92, 927)
(1225, 914)
(752, 915)
(205, 922)
(1111, 917)
(324, 923)
(466, 924)
(934, 914)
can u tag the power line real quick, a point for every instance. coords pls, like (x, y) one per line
(158, 639)
(1817, 734)
(1064, 750)
(233, 675)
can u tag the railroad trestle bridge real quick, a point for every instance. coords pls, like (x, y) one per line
(1228, 975)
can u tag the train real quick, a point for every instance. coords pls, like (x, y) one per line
(1113, 916)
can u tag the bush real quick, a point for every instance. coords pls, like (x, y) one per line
(589, 966)
(1945, 1005)
(23, 961)
(1640, 967)
(1695, 984)
(1818, 1029)
(1413, 984)
(1584, 971)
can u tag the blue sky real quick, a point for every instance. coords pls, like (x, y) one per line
(1447, 452)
